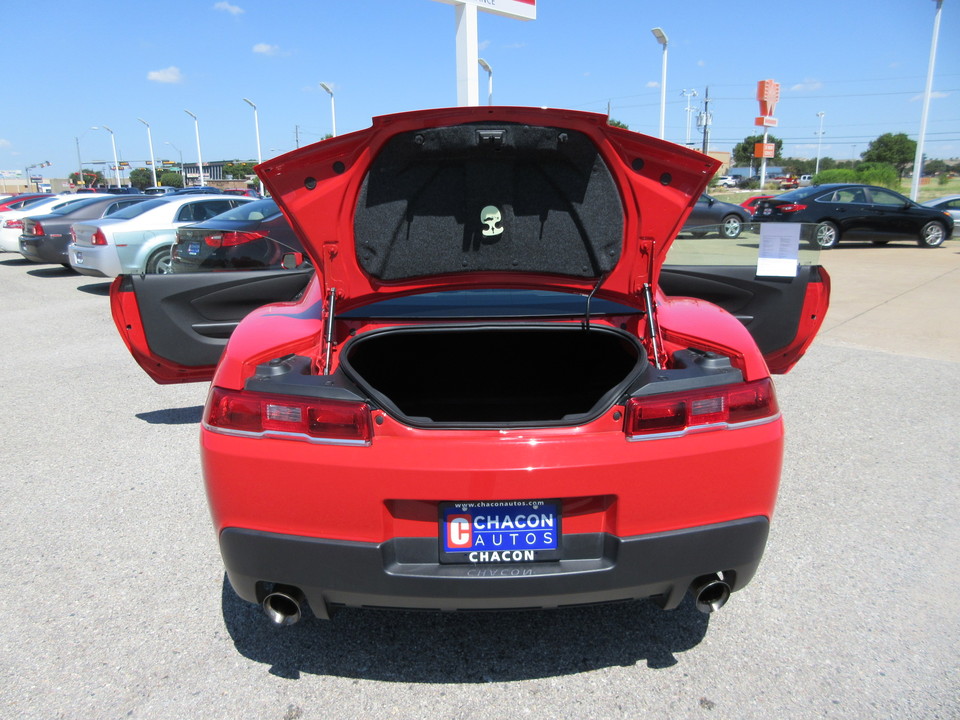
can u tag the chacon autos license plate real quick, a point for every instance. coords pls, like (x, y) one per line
(193, 248)
(500, 531)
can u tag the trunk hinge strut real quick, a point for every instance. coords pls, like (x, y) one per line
(328, 335)
(652, 325)
(586, 314)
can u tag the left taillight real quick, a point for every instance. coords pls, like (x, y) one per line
(317, 420)
(33, 229)
(716, 407)
(792, 207)
(231, 239)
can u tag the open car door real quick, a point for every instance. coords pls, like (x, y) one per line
(176, 326)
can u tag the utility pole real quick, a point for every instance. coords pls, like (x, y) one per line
(705, 120)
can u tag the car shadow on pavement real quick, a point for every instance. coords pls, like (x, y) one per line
(51, 271)
(100, 288)
(16, 261)
(173, 416)
(428, 647)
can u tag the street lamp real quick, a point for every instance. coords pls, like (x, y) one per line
(661, 37)
(918, 158)
(819, 140)
(486, 66)
(196, 128)
(256, 127)
(183, 174)
(113, 142)
(333, 107)
(153, 162)
(76, 139)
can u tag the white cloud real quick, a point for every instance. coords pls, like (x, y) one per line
(227, 7)
(653, 84)
(807, 85)
(483, 45)
(168, 75)
(934, 95)
(4, 143)
(266, 49)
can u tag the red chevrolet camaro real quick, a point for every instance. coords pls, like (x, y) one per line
(489, 392)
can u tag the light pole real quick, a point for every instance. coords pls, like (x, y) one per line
(333, 107)
(76, 139)
(113, 142)
(918, 158)
(256, 127)
(689, 94)
(183, 174)
(486, 66)
(661, 37)
(819, 141)
(153, 162)
(196, 128)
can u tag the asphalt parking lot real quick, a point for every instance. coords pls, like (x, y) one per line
(114, 602)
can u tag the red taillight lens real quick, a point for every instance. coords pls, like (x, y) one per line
(676, 412)
(35, 229)
(12, 224)
(253, 412)
(229, 239)
(792, 208)
(98, 238)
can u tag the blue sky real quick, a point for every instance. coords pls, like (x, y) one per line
(70, 66)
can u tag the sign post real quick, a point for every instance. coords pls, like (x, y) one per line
(468, 76)
(768, 93)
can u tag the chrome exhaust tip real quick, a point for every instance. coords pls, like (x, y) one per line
(710, 592)
(283, 606)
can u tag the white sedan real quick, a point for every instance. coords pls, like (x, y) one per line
(11, 222)
(138, 239)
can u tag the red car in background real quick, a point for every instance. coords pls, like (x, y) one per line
(750, 204)
(490, 393)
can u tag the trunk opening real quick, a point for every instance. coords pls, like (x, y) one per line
(495, 374)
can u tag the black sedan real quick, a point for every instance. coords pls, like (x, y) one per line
(45, 237)
(712, 215)
(858, 212)
(254, 236)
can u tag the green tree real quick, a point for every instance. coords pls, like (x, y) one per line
(91, 178)
(617, 123)
(141, 178)
(893, 148)
(743, 151)
(238, 170)
(170, 178)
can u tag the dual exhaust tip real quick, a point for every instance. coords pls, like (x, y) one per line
(284, 604)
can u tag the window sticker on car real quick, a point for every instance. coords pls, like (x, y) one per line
(505, 531)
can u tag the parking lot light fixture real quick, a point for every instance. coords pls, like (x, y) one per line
(661, 37)
(486, 66)
(256, 127)
(196, 128)
(819, 141)
(116, 163)
(918, 158)
(153, 162)
(333, 107)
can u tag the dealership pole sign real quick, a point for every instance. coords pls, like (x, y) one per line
(768, 94)
(468, 80)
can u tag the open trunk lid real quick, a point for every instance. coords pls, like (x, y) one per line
(487, 197)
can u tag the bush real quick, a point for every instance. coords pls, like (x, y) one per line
(874, 173)
(837, 175)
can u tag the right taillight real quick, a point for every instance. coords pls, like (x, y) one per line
(98, 238)
(12, 224)
(706, 408)
(291, 417)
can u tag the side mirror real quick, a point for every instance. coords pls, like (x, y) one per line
(291, 260)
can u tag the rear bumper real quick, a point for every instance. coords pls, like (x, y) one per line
(404, 573)
(44, 249)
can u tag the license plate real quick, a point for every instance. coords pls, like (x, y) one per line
(193, 248)
(502, 531)
(767, 211)
(79, 258)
